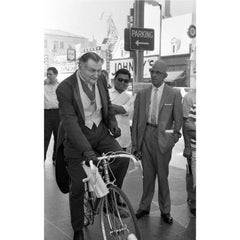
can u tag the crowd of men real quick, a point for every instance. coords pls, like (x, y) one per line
(95, 119)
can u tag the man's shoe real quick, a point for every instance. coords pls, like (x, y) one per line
(78, 235)
(140, 213)
(167, 218)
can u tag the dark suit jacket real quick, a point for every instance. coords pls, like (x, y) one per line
(170, 117)
(72, 121)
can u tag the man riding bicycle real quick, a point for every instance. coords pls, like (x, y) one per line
(88, 127)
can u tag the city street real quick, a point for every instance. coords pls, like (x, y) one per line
(57, 217)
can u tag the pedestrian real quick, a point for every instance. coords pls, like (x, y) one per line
(122, 103)
(88, 128)
(190, 129)
(157, 121)
(188, 101)
(51, 112)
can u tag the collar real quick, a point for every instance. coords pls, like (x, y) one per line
(52, 84)
(81, 77)
(113, 89)
(159, 88)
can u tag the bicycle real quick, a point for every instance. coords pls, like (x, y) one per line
(111, 207)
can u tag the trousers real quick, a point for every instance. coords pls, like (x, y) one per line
(102, 142)
(51, 123)
(155, 164)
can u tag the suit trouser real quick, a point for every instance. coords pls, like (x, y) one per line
(51, 123)
(191, 181)
(154, 164)
(102, 142)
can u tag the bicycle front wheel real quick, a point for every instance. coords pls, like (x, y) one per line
(117, 217)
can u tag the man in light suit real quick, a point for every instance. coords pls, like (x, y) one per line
(156, 128)
(87, 119)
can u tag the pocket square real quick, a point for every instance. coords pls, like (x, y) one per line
(169, 131)
(168, 104)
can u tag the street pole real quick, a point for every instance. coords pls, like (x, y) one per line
(160, 32)
(138, 22)
(156, 3)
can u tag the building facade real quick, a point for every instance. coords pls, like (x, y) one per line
(56, 44)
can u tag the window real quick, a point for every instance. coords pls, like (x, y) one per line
(122, 53)
(62, 45)
(173, 49)
(55, 45)
(45, 43)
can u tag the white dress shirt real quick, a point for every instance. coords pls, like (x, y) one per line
(50, 97)
(127, 102)
(92, 112)
(159, 96)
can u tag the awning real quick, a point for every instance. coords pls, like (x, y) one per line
(173, 75)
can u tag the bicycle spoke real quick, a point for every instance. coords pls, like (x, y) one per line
(117, 222)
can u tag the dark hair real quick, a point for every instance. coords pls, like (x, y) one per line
(89, 55)
(53, 69)
(104, 71)
(122, 71)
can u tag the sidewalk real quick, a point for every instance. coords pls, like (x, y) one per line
(57, 217)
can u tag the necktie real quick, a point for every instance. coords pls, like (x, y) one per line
(154, 107)
(90, 94)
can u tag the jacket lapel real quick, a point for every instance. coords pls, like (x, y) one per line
(102, 94)
(164, 97)
(148, 99)
(76, 94)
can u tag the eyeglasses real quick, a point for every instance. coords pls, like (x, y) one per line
(157, 72)
(123, 80)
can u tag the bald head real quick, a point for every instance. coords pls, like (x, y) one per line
(158, 72)
(160, 66)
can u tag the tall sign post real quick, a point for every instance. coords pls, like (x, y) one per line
(156, 3)
(138, 23)
(142, 39)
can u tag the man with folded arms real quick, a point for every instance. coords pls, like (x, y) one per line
(156, 128)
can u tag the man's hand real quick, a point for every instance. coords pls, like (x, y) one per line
(116, 131)
(138, 155)
(90, 155)
(187, 152)
(176, 137)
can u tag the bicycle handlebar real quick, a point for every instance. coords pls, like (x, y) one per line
(137, 163)
(94, 169)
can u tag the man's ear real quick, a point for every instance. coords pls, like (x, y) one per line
(81, 65)
(166, 75)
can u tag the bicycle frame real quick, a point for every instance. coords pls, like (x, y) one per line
(108, 204)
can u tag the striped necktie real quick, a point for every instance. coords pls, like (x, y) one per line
(154, 107)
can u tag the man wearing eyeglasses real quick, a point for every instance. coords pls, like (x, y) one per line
(156, 128)
(122, 103)
(88, 127)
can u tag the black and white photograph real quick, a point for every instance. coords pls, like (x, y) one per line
(119, 120)
(120, 91)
